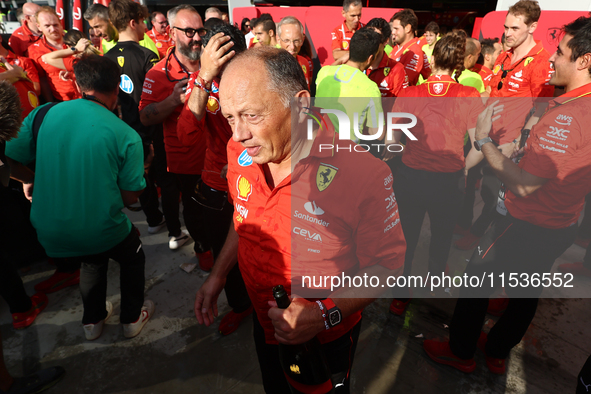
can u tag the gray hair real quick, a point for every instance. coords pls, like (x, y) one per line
(290, 20)
(213, 10)
(171, 14)
(349, 3)
(96, 10)
(286, 77)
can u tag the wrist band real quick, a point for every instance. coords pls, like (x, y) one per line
(323, 311)
(201, 84)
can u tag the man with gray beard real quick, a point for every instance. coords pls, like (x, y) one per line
(163, 96)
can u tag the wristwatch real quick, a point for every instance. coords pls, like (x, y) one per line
(478, 144)
(333, 312)
(73, 49)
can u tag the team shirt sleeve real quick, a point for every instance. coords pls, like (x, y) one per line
(337, 39)
(551, 146)
(379, 236)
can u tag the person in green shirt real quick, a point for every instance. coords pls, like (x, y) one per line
(431, 36)
(467, 77)
(97, 16)
(345, 87)
(89, 166)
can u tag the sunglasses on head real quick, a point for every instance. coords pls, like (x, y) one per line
(190, 32)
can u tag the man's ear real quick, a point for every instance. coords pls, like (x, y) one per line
(584, 62)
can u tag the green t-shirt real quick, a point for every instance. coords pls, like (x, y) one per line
(470, 78)
(388, 49)
(349, 90)
(85, 155)
(146, 43)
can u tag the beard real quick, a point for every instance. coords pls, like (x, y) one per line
(191, 51)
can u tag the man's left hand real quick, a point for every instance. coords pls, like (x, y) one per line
(485, 120)
(299, 323)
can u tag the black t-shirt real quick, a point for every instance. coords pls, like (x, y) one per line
(134, 62)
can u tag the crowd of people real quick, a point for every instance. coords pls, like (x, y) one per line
(174, 116)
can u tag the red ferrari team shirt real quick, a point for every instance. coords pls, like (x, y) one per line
(413, 59)
(525, 81)
(341, 36)
(158, 85)
(62, 90)
(21, 39)
(307, 68)
(389, 76)
(484, 72)
(313, 223)
(213, 129)
(25, 87)
(558, 149)
(442, 123)
(162, 41)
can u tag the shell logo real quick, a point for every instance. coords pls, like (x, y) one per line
(345, 45)
(158, 44)
(497, 69)
(244, 188)
(33, 100)
(213, 105)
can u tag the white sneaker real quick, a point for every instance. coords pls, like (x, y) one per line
(158, 227)
(93, 331)
(178, 241)
(133, 329)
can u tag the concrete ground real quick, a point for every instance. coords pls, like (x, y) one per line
(174, 354)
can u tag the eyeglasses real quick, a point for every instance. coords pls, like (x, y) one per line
(296, 43)
(190, 32)
(162, 23)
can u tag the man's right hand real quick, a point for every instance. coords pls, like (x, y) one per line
(206, 300)
(214, 56)
(178, 94)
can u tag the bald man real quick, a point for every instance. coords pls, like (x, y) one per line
(467, 77)
(28, 33)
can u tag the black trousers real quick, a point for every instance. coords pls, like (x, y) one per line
(193, 212)
(339, 354)
(217, 217)
(149, 197)
(17, 236)
(12, 289)
(466, 215)
(168, 184)
(436, 193)
(510, 246)
(489, 191)
(93, 280)
(584, 378)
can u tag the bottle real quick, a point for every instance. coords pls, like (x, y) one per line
(304, 365)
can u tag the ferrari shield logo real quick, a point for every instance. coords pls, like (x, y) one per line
(438, 88)
(120, 60)
(325, 175)
(553, 35)
(386, 71)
